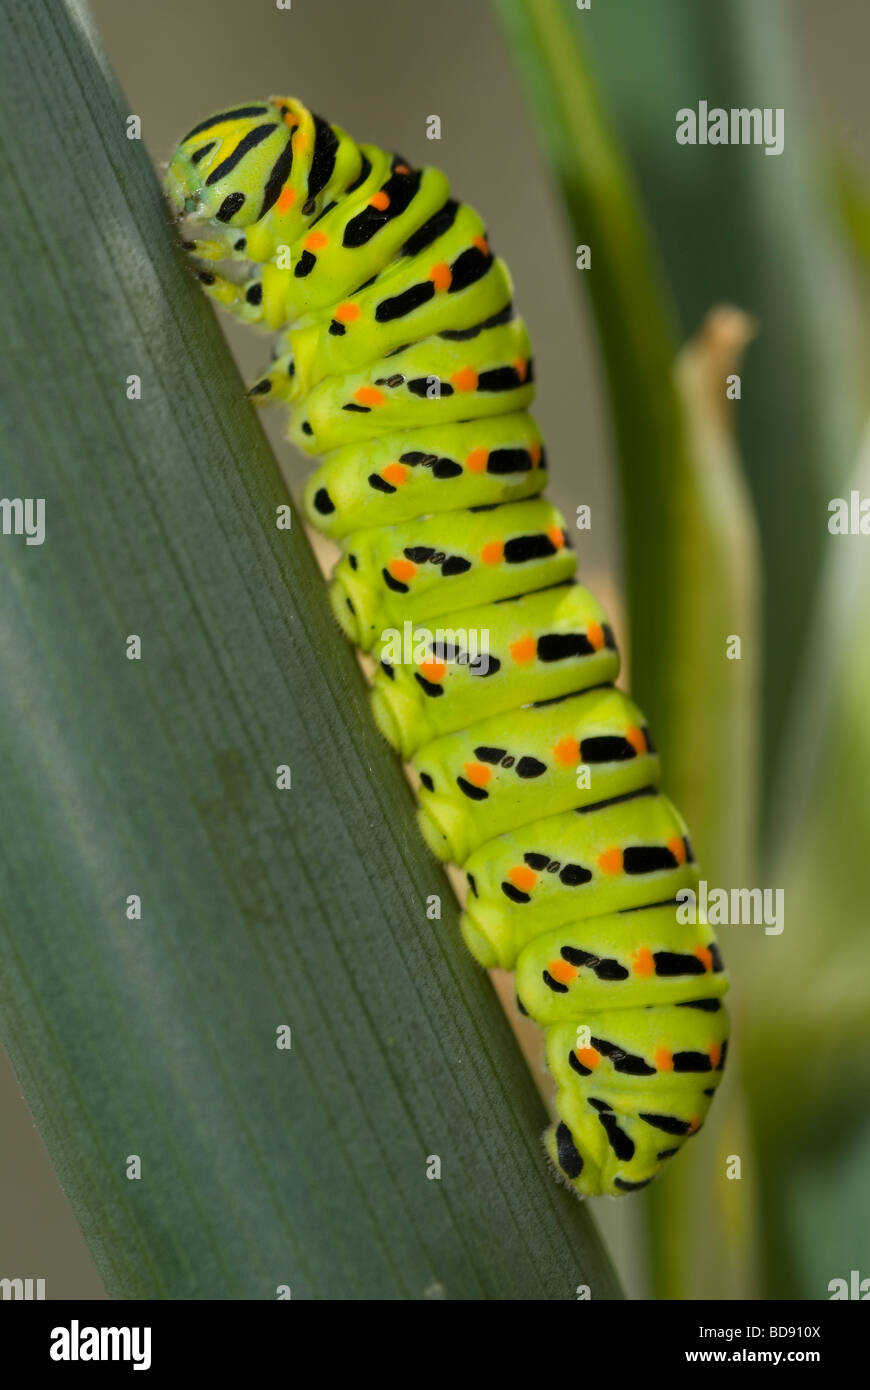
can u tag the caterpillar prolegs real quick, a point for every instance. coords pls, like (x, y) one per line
(403, 363)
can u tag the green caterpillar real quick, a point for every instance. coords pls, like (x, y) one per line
(403, 362)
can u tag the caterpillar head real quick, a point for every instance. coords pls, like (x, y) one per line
(230, 168)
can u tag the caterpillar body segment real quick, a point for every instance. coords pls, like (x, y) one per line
(648, 956)
(436, 381)
(478, 463)
(408, 376)
(476, 785)
(417, 570)
(540, 647)
(596, 859)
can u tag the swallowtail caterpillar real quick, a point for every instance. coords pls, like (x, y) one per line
(409, 375)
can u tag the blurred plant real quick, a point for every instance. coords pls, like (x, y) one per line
(733, 224)
(800, 1212)
(690, 544)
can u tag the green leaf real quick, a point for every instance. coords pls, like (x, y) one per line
(808, 998)
(691, 561)
(261, 907)
(735, 224)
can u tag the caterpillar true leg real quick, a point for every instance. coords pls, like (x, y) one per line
(408, 371)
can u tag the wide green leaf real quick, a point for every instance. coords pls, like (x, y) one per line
(202, 1159)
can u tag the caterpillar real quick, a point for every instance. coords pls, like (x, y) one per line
(408, 375)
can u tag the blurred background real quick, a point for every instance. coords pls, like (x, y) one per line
(786, 239)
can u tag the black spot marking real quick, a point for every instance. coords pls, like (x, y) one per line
(230, 206)
(419, 386)
(405, 303)
(486, 754)
(446, 468)
(557, 988)
(254, 293)
(617, 1138)
(606, 969)
(468, 267)
(400, 189)
(669, 1124)
(501, 379)
(455, 564)
(614, 801)
(337, 329)
(323, 503)
(515, 895)
(429, 687)
(380, 484)
(202, 152)
(606, 748)
(570, 1160)
(647, 859)
(304, 266)
(463, 335)
(472, 792)
(609, 969)
(628, 1063)
(530, 767)
(573, 875)
(427, 781)
(521, 549)
(322, 156)
(237, 113)
(434, 227)
(671, 963)
(248, 142)
(560, 646)
(395, 584)
(692, 1061)
(502, 461)
(278, 176)
(538, 862)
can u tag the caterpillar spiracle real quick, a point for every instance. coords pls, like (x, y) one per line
(409, 375)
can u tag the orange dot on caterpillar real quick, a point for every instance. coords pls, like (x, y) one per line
(522, 877)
